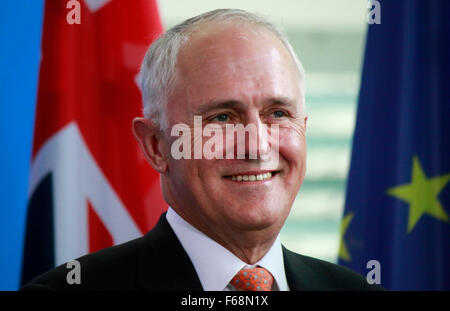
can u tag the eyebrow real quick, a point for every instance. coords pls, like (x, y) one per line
(218, 105)
(240, 106)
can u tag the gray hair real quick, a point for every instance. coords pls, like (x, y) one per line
(157, 72)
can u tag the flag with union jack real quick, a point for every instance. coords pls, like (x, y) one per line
(90, 187)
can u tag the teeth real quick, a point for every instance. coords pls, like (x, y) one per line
(251, 177)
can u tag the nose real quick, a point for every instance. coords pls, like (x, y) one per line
(257, 145)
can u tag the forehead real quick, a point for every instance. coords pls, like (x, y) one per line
(234, 62)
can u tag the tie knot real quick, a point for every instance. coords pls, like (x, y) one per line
(255, 279)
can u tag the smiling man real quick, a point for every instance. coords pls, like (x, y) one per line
(221, 232)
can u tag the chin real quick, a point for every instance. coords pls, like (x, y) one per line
(259, 217)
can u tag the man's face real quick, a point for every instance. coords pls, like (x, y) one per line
(230, 75)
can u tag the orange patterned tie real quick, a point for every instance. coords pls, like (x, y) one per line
(256, 279)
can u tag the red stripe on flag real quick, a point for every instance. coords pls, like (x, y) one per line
(99, 237)
(87, 76)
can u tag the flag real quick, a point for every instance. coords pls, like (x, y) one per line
(90, 187)
(20, 38)
(398, 194)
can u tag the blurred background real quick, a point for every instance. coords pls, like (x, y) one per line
(398, 71)
(329, 39)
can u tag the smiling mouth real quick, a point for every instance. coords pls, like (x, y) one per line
(252, 177)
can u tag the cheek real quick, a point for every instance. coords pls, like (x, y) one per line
(185, 178)
(179, 172)
(193, 174)
(293, 148)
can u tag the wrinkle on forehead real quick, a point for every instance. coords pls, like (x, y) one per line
(230, 50)
(212, 41)
(244, 64)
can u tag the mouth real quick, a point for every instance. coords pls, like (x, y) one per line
(252, 176)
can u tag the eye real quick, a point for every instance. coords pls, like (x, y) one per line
(279, 114)
(223, 117)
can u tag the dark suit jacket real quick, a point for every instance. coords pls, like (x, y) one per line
(157, 261)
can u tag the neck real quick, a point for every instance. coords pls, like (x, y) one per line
(248, 245)
(248, 249)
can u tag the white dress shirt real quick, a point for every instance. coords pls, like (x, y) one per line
(215, 265)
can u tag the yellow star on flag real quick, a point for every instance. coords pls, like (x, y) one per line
(343, 251)
(422, 195)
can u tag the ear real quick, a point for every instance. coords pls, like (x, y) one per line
(149, 138)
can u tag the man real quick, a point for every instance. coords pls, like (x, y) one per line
(221, 232)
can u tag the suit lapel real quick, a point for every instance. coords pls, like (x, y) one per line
(293, 272)
(162, 262)
(303, 274)
(299, 275)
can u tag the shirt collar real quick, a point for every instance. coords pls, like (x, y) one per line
(214, 264)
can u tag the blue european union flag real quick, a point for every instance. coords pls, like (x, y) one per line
(398, 196)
